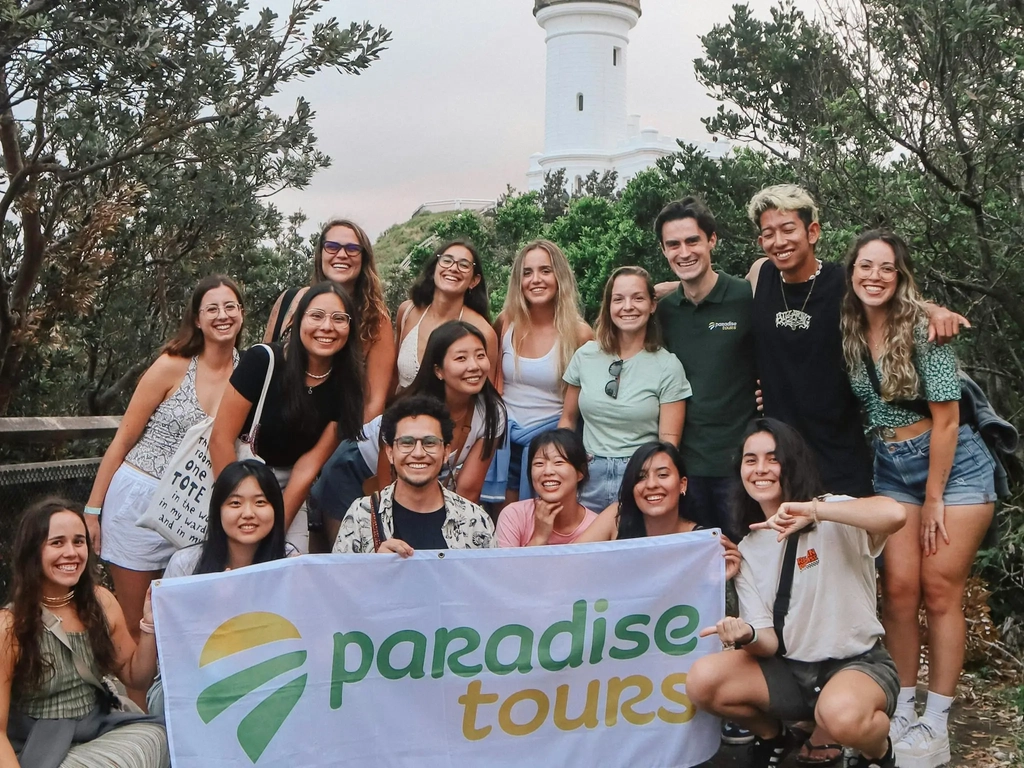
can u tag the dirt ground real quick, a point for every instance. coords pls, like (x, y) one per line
(987, 727)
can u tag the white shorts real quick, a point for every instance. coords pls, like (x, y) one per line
(123, 542)
(298, 531)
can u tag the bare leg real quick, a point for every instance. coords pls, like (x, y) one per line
(901, 596)
(852, 708)
(330, 532)
(943, 577)
(130, 589)
(730, 684)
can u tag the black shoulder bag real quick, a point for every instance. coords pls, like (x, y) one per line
(785, 591)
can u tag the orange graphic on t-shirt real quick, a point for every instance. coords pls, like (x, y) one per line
(809, 560)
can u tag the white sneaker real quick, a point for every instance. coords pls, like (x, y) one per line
(899, 725)
(921, 747)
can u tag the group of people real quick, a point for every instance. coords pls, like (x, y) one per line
(713, 402)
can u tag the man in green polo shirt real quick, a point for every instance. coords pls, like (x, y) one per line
(706, 323)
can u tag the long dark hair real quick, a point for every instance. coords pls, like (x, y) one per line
(214, 556)
(368, 289)
(422, 291)
(798, 469)
(427, 383)
(32, 668)
(631, 518)
(345, 382)
(189, 340)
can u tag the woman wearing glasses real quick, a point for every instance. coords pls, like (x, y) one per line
(628, 388)
(455, 371)
(450, 287)
(314, 400)
(345, 255)
(179, 389)
(939, 470)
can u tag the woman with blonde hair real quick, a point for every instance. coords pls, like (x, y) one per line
(629, 389)
(540, 328)
(345, 256)
(930, 461)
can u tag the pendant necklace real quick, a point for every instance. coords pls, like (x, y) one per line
(59, 602)
(795, 319)
(319, 377)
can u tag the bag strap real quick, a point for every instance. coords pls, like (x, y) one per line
(263, 395)
(918, 406)
(284, 311)
(785, 591)
(53, 626)
(375, 522)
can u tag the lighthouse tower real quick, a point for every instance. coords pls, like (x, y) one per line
(587, 126)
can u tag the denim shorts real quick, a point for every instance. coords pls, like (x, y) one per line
(603, 486)
(901, 470)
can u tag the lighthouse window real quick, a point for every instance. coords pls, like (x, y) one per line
(579, 102)
(615, 57)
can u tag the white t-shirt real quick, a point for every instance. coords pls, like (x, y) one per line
(832, 611)
(369, 448)
(184, 561)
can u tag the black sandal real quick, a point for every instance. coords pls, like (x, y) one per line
(809, 760)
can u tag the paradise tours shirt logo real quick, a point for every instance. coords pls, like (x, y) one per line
(239, 635)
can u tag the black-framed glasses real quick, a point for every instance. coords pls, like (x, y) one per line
(615, 371)
(447, 260)
(352, 249)
(407, 443)
(339, 319)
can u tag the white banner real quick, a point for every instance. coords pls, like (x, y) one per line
(543, 656)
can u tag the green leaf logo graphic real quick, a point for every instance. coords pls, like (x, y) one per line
(241, 633)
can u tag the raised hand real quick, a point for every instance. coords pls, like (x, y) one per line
(791, 517)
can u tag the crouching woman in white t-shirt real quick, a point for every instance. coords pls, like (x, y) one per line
(832, 667)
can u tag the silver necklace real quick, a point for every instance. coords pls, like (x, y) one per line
(795, 319)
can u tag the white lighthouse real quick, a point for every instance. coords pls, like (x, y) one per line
(586, 123)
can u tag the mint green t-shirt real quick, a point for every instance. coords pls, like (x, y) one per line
(616, 427)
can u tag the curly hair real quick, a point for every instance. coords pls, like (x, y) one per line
(32, 668)
(897, 374)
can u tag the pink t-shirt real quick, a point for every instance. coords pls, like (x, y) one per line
(515, 526)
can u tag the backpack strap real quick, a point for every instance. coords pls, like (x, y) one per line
(785, 591)
(53, 626)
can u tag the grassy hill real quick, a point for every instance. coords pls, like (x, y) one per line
(396, 241)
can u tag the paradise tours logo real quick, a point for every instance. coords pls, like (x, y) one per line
(239, 635)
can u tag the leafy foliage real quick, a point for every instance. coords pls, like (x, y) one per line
(137, 155)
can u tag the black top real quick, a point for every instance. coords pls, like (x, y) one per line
(278, 443)
(803, 376)
(420, 530)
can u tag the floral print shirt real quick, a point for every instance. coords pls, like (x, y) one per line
(466, 525)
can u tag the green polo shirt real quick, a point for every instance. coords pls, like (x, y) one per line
(714, 341)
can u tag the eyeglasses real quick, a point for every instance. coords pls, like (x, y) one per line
(615, 371)
(231, 309)
(352, 249)
(339, 319)
(885, 272)
(464, 265)
(406, 443)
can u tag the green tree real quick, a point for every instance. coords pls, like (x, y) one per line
(111, 112)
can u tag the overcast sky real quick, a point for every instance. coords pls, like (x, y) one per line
(455, 106)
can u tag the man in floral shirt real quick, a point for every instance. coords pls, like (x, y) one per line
(415, 512)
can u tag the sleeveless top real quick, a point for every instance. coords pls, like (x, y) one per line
(168, 425)
(803, 374)
(62, 693)
(408, 361)
(532, 394)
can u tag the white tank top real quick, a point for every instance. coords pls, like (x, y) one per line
(533, 393)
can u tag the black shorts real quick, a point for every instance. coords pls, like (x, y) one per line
(794, 686)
